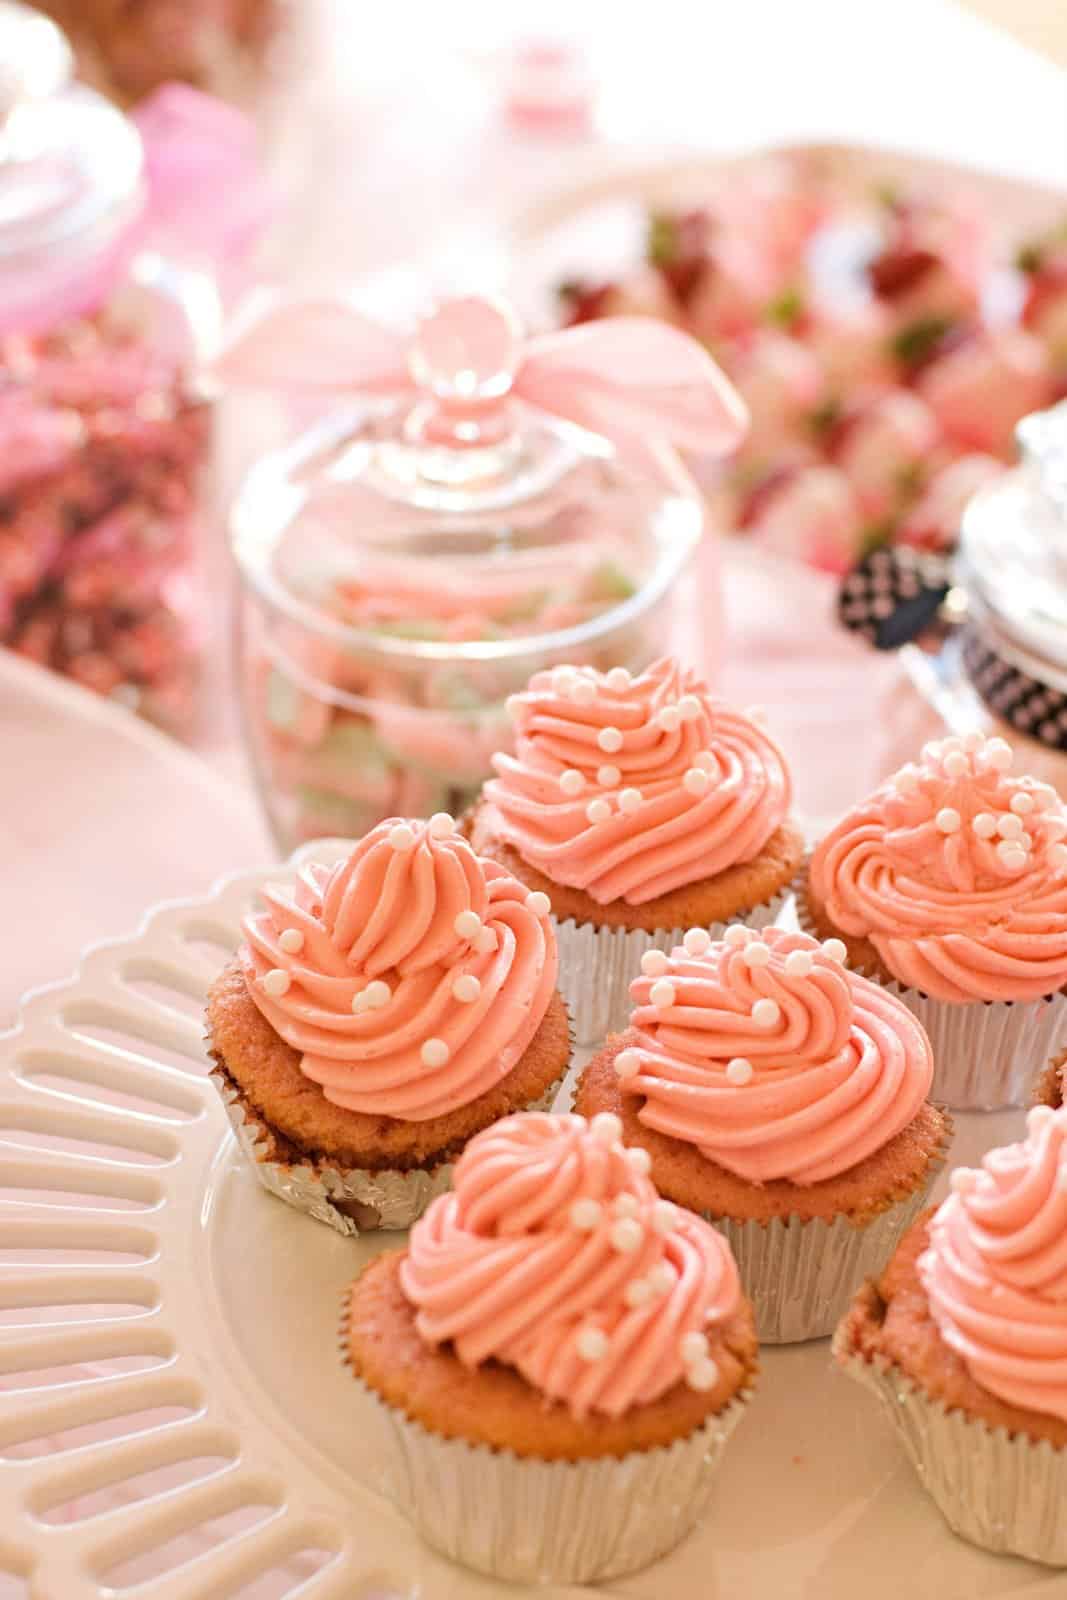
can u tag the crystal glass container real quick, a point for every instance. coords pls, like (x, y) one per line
(410, 562)
(105, 426)
(1003, 668)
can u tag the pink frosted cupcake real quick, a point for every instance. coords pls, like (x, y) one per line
(949, 886)
(783, 1098)
(963, 1336)
(640, 806)
(558, 1358)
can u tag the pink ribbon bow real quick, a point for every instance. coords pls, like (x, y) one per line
(631, 380)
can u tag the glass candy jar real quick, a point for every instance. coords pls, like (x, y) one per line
(487, 507)
(104, 429)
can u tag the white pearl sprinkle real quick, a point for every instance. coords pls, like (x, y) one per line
(906, 781)
(627, 1235)
(585, 1215)
(513, 705)
(276, 982)
(538, 902)
(640, 1160)
(1012, 854)
(693, 1347)
(626, 1205)
(951, 745)
(697, 942)
(947, 820)
(702, 1376)
(1022, 803)
(606, 1127)
(627, 1064)
(737, 935)
(661, 1278)
(630, 800)
(834, 949)
(998, 755)
(598, 811)
(706, 761)
(571, 781)
(739, 1071)
(434, 1053)
(466, 988)
(618, 679)
(956, 764)
(582, 691)
(765, 1013)
(291, 941)
(756, 954)
(689, 708)
(562, 678)
(638, 1292)
(654, 964)
(359, 1003)
(663, 1218)
(696, 781)
(486, 942)
(609, 740)
(401, 836)
(608, 777)
(799, 964)
(1057, 855)
(662, 993)
(985, 825)
(1009, 826)
(973, 741)
(468, 924)
(592, 1344)
(377, 994)
(668, 719)
(441, 825)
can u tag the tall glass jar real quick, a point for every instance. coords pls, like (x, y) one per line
(409, 562)
(104, 427)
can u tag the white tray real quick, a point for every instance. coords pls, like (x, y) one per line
(160, 1314)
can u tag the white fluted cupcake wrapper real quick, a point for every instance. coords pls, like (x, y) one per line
(1004, 1492)
(530, 1521)
(597, 965)
(800, 1275)
(987, 1053)
(348, 1199)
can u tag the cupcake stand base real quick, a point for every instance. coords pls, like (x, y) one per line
(175, 1420)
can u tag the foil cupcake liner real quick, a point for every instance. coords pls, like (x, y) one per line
(800, 1275)
(597, 965)
(987, 1053)
(523, 1520)
(351, 1200)
(1005, 1492)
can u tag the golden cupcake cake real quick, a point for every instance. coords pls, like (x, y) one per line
(641, 805)
(559, 1357)
(784, 1098)
(378, 1014)
(963, 1336)
(949, 887)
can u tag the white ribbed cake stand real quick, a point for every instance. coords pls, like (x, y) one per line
(175, 1421)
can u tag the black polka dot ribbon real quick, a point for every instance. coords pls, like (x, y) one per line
(1018, 698)
(893, 594)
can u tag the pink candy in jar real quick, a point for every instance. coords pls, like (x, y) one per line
(981, 386)
(810, 513)
(882, 445)
(934, 521)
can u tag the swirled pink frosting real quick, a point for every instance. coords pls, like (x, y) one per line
(957, 874)
(772, 1058)
(995, 1271)
(420, 971)
(554, 1255)
(627, 788)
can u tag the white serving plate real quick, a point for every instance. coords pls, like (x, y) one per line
(168, 1348)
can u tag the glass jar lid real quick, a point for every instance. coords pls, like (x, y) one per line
(497, 493)
(70, 165)
(1014, 552)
